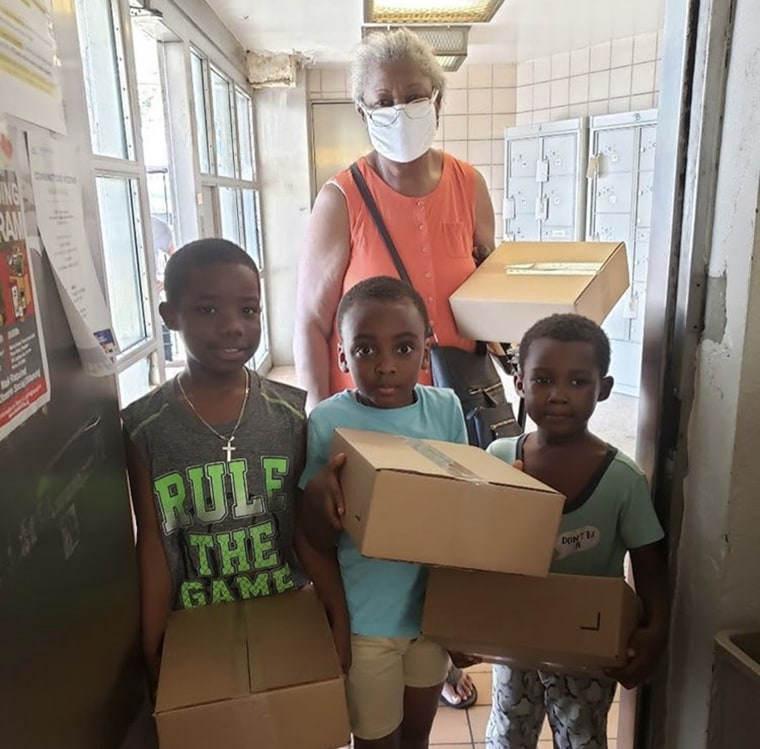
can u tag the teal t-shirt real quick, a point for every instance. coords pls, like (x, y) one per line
(384, 598)
(615, 515)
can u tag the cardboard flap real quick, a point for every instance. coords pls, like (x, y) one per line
(593, 305)
(195, 675)
(389, 452)
(507, 273)
(289, 641)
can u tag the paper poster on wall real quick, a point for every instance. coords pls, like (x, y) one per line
(24, 382)
(60, 220)
(29, 66)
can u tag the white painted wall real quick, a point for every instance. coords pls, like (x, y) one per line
(282, 142)
(718, 578)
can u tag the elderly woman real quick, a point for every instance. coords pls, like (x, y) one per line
(437, 210)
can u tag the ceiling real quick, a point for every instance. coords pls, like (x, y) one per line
(521, 29)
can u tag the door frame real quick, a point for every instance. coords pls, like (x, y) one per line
(697, 38)
(312, 138)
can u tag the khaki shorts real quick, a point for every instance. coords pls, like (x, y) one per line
(381, 668)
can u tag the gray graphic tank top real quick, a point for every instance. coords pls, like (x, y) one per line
(227, 527)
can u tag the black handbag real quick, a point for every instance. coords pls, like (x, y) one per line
(470, 374)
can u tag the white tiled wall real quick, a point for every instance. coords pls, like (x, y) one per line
(479, 104)
(481, 100)
(617, 76)
(328, 83)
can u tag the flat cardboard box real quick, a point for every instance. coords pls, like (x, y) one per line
(257, 674)
(440, 503)
(522, 282)
(560, 622)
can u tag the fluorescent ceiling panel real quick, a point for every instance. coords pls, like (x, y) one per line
(437, 11)
(451, 63)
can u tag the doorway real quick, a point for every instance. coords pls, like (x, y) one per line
(339, 137)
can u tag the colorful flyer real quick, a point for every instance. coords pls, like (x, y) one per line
(24, 382)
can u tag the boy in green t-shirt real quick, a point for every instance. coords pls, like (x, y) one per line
(564, 360)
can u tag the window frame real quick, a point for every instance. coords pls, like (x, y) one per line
(186, 42)
(133, 170)
(213, 183)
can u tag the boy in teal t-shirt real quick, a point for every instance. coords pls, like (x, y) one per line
(564, 360)
(394, 676)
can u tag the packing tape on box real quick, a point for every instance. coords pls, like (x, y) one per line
(553, 269)
(457, 470)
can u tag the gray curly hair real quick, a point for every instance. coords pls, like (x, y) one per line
(394, 46)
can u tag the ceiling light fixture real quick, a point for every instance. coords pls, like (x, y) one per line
(429, 11)
(449, 43)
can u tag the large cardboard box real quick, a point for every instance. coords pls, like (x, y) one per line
(560, 622)
(258, 674)
(444, 504)
(522, 282)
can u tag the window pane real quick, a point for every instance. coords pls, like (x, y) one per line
(251, 225)
(263, 350)
(150, 95)
(223, 134)
(123, 247)
(106, 99)
(229, 214)
(134, 382)
(159, 196)
(200, 106)
(245, 135)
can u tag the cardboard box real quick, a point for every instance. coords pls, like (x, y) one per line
(261, 673)
(522, 282)
(560, 622)
(444, 504)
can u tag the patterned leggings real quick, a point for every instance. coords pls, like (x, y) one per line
(576, 706)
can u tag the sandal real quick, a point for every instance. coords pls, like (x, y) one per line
(454, 676)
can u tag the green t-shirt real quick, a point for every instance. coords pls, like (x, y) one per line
(613, 515)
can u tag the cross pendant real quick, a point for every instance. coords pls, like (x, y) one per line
(229, 449)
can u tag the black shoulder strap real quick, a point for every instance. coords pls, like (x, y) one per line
(520, 446)
(374, 211)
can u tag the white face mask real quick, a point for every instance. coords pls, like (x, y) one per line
(409, 135)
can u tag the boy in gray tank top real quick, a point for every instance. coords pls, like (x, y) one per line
(213, 455)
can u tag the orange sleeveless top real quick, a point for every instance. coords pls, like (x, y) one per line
(434, 235)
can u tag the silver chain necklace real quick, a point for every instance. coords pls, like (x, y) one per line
(228, 448)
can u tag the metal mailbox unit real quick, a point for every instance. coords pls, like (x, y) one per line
(544, 198)
(619, 209)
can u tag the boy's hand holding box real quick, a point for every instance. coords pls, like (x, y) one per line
(569, 623)
(458, 509)
(439, 503)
